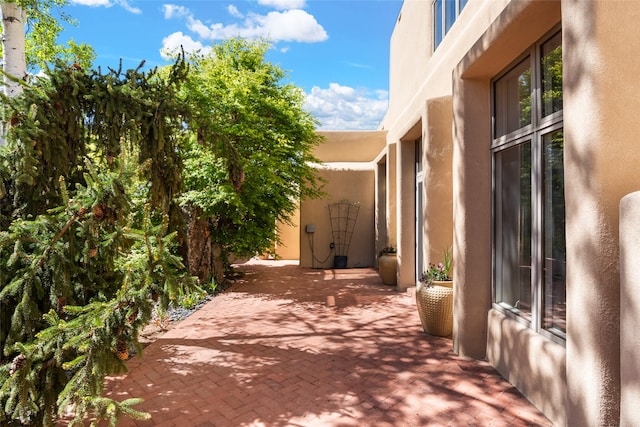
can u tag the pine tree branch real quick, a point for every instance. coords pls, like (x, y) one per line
(81, 212)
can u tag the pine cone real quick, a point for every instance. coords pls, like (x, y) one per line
(121, 350)
(98, 213)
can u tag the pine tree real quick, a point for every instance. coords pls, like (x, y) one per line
(89, 240)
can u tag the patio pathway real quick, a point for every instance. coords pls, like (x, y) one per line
(292, 346)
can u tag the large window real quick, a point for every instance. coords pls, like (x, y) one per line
(529, 212)
(445, 13)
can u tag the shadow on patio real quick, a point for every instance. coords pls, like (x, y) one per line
(290, 346)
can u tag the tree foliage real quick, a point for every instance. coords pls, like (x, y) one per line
(87, 185)
(44, 24)
(250, 148)
(71, 114)
(91, 227)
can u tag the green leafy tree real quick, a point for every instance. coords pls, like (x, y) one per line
(249, 154)
(87, 183)
(43, 24)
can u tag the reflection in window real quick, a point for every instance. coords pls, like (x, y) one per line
(555, 253)
(551, 65)
(513, 230)
(513, 99)
(438, 32)
(529, 244)
(449, 14)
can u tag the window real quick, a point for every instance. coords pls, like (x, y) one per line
(445, 13)
(529, 248)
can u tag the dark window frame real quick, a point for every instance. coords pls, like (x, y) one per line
(504, 138)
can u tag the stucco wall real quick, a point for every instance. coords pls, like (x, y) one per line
(416, 73)
(350, 146)
(289, 234)
(579, 383)
(471, 217)
(486, 37)
(406, 213)
(533, 363)
(437, 181)
(353, 185)
(630, 309)
(419, 82)
(341, 151)
(602, 164)
(411, 43)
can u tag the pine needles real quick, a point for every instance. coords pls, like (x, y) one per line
(88, 240)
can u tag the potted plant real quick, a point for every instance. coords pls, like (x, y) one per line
(387, 265)
(434, 298)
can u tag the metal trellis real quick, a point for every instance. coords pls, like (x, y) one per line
(343, 216)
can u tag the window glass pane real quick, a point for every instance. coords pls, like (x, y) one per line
(450, 14)
(555, 254)
(513, 99)
(418, 155)
(513, 228)
(552, 76)
(463, 3)
(529, 243)
(437, 22)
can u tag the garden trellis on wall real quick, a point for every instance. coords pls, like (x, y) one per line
(343, 216)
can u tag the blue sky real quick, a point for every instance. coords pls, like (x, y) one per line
(337, 51)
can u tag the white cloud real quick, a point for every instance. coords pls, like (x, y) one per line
(174, 11)
(291, 25)
(233, 11)
(125, 4)
(108, 3)
(172, 43)
(345, 108)
(283, 4)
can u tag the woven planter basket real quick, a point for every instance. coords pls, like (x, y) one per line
(435, 307)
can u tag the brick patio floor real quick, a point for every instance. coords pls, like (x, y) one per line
(292, 346)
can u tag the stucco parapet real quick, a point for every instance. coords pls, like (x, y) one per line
(350, 146)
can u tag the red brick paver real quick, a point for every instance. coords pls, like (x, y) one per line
(291, 346)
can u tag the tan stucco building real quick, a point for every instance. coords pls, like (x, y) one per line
(512, 135)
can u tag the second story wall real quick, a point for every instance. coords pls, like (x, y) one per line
(418, 73)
